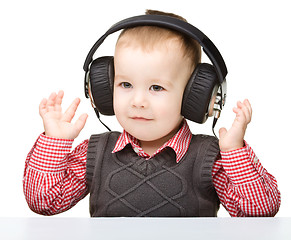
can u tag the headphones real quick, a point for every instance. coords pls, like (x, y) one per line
(205, 91)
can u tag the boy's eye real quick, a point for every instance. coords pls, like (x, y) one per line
(126, 85)
(156, 88)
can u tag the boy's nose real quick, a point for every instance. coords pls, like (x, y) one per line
(139, 100)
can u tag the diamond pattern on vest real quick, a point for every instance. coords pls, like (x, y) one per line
(145, 177)
(123, 184)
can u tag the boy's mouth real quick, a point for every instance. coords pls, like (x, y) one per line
(141, 119)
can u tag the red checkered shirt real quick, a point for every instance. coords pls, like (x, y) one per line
(55, 178)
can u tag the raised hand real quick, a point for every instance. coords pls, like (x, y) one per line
(234, 137)
(58, 124)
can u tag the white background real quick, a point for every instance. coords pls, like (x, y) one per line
(44, 44)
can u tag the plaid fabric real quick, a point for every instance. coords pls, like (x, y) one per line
(55, 178)
(179, 143)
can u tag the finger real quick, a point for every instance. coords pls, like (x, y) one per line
(248, 105)
(240, 116)
(70, 112)
(246, 110)
(242, 110)
(51, 102)
(237, 111)
(58, 101)
(80, 123)
(249, 109)
(42, 107)
(222, 132)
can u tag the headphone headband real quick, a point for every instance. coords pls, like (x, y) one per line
(172, 23)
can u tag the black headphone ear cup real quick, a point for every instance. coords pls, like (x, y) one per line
(101, 84)
(198, 92)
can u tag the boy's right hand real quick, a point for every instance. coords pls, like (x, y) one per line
(58, 124)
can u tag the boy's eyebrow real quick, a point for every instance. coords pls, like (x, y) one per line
(163, 81)
(120, 77)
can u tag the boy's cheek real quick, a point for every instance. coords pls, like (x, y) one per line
(118, 101)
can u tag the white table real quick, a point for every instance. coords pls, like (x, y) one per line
(42, 228)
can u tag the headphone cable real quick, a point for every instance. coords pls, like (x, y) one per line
(98, 116)
(213, 125)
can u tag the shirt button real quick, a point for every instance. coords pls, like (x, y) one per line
(136, 149)
(256, 159)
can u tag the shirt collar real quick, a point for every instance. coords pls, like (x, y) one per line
(179, 143)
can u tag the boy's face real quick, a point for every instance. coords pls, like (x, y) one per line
(148, 90)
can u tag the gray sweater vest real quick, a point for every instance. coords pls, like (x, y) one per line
(123, 184)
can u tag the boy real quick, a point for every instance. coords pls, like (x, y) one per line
(148, 169)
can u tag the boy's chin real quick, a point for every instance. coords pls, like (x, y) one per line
(145, 136)
(149, 135)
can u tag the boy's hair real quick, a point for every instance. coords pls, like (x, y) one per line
(149, 36)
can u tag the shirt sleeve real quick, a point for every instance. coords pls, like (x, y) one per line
(55, 178)
(243, 186)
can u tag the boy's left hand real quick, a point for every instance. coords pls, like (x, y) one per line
(234, 137)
